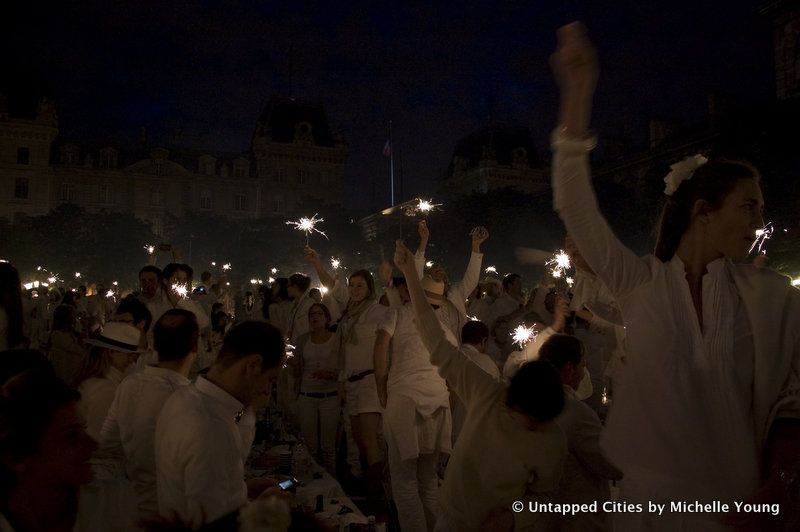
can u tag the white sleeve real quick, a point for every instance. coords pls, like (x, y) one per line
(472, 275)
(574, 199)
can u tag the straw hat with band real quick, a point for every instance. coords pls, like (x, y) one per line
(118, 336)
(434, 291)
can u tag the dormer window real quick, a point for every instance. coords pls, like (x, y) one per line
(207, 165)
(520, 157)
(70, 154)
(108, 158)
(303, 133)
(241, 168)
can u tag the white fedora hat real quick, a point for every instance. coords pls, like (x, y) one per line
(118, 336)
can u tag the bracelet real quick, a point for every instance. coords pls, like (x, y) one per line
(561, 141)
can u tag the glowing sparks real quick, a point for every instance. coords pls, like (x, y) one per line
(110, 294)
(323, 290)
(429, 264)
(28, 286)
(522, 335)
(271, 280)
(38, 268)
(796, 281)
(762, 235)
(274, 271)
(289, 350)
(335, 263)
(570, 281)
(181, 289)
(226, 266)
(149, 248)
(560, 263)
(425, 206)
(115, 283)
(308, 225)
(253, 281)
(213, 263)
(51, 279)
(77, 275)
(490, 269)
(473, 318)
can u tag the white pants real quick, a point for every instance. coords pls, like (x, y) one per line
(318, 419)
(415, 488)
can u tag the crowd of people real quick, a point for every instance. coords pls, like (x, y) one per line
(670, 378)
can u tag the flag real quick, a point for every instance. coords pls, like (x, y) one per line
(387, 149)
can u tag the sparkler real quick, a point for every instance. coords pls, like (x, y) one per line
(289, 350)
(490, 269)
(274, 271)
(522, 335)
(77, 275)
(226, 266)
(335, 263)
(271, 280)
(762, 235)
(560, 262)
(426, 206)
(110, 294)
(51, 279)
(115, 283)
(570, 281)
(253, 281)
(308, 225)
(150, 248)
(473, 318)
(323, 290)
(213, 263)
(181, 289)
(429, 264)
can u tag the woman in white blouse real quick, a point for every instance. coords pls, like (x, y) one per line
(316, 372)
(103, 369)
(712, 399)
(357, 330)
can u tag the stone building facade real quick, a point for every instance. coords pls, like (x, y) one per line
(295, 164)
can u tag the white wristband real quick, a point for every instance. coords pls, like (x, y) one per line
(561, 141)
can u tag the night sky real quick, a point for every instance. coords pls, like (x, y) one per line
(438, 70)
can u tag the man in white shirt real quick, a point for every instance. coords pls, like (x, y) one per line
(205, 430)
(587, 470)
(149, 283)
(129, 430)
(176, 286)
(474, 340)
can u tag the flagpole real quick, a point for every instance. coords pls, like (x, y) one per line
(391, 160)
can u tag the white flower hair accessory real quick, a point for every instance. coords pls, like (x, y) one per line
(681, 171)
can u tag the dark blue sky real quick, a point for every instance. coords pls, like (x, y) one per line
(437, 69)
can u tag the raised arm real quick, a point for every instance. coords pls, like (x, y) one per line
(466, 378)
(385, 276)
(312, 257)
(472, 275)
(419, 257)
(575, 67)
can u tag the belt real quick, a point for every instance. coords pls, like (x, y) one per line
(358, 376)
(319, 395)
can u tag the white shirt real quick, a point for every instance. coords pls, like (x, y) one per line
(685, 413)
(97, 394)
(482, 360)
(297, 322)
(457, 293)
(497, 460)
(161, 303)
(200, 453)
(128, 433)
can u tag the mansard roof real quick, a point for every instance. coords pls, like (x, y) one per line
(497, 140)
